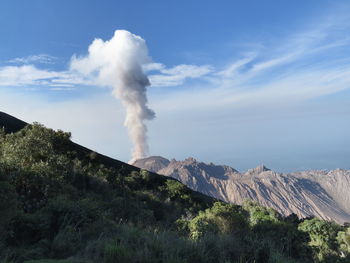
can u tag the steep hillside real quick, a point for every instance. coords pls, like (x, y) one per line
(324, 194)
(12, 124)
(62, 203)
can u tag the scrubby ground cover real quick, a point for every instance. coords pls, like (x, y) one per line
(59, 205)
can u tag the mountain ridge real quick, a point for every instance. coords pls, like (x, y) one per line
(319, 193)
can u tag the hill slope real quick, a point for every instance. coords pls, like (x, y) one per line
(62, 203)
(12, 124)
(324, 194)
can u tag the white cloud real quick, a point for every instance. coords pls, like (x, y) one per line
(62, 88)
(270, 78)
(276, 93)
(31, 75)
(296, 67)
(274, 62)
(25, 75)
(28, 75)
(41, 58)
(177, 75)
(232, 69)
(153, 67)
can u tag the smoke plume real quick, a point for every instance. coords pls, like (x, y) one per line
(118, 63)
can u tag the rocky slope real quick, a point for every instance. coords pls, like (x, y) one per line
(323, 194)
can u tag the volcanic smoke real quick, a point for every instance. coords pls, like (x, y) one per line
(118, 63)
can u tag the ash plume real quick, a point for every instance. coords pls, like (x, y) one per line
(118, 63)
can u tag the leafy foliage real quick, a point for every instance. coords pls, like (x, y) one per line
(259, 214)
(220, 218)
(343, 238)
(323, 238)
(59, 203)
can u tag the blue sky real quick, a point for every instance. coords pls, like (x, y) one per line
(233, 82)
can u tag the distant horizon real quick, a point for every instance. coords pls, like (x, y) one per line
(239, 83)
(197, 159)
(240, 171)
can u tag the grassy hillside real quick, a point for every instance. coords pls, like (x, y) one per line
(60, 202)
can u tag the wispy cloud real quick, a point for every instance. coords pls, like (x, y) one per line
(26, 75)
(153, 67)
(303, 65)
(274, 62)
(176, 76)
(62, 88)
(232, 70)
(30, 75)
(41, 58)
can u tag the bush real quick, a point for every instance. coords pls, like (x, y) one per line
(37, 148)
(8, 207)
(220, 218)
(59, 201)
(260, 214)
(116, 252)
(66, 243)
(177, 191)
(51, 261)
(323, 237)
(343, 239)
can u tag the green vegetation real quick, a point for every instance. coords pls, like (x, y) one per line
(60, 204)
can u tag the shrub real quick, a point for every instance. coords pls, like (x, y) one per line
(343, 239)
(8, 207)
(56, 202)
(260, 214)
(323, 237)
(220, 218)
(116, 252)
(66, 243)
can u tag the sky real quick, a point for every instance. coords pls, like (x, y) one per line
(240, 83)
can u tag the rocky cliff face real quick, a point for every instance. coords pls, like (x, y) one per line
(324, 194)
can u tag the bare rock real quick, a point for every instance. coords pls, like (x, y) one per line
(324, 194)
